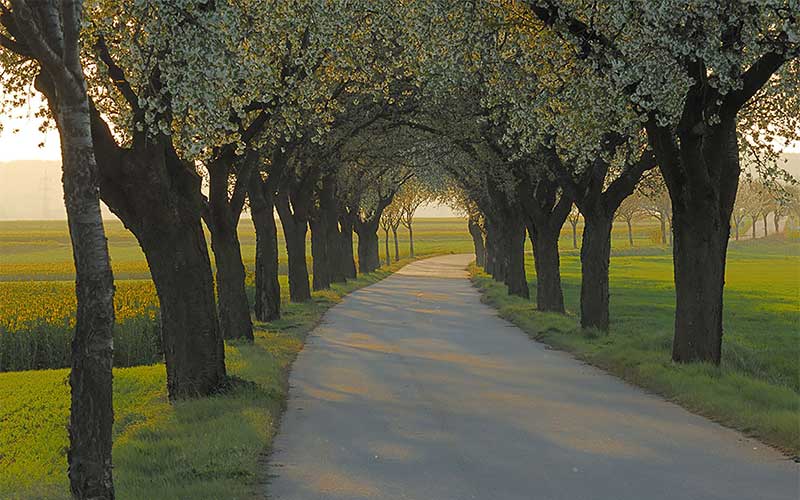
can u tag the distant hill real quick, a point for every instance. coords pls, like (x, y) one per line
(31, 190)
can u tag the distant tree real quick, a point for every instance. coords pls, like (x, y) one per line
(574, 218)
(390, 221)
(657, 204)
(630, 208)
(412, 195)
(747, 204)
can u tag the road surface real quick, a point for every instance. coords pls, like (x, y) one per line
(413, 389)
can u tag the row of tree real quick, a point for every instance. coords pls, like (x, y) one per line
(322, 111)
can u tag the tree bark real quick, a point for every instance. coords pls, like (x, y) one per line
(595, 259)
(702, 174)
(396, 245)
(411, 239)
(347, 261)
(319, 254)
(663, 230)
(547, 262)
(222, 220)
(754, 219)
(776, 221)
(766, 227)
(514, 249)
(91, 410)
(477, 242)
(267, 304)
(386, 241)
(295, 228)
(368, 259)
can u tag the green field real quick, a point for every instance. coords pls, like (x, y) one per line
(210, 448)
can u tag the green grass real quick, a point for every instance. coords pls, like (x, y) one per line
(757, 387)
(206, 448)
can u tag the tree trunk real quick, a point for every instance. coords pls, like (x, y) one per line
(319, 254)
(595, 259)
(267, 304)
(515, 278)
(193, 349)
(754, 219)
(663, 230)
(702, 207)
(477, 242)
(699, 255)
(91, 411)
(776, 221)
(233, 306)
(411, 239)
(295, 228)
(368, 259)
(157, 197)
(396, 245)
(549, 295)
(386, 241)
(329, 216)
(222, 219)
(766, 227)
(347, 261)
(491, 251)
(736, 229)
(630, 232)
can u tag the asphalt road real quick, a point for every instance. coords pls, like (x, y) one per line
(413, 389)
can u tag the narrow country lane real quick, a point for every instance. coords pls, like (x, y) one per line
(413, 389)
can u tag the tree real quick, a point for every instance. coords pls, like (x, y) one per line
(630, 209)
(48, 33)
(574, 218)
(747, 203)
(689, 86)
(656, 203)
(411, 196)
(390, 221)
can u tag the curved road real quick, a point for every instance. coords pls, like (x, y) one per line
(413, 389)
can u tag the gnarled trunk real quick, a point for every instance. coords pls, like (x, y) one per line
(267, 303)
(701, 214)
(295, 228)
(546, 260)
(157, 197)
(319, 254)
(347, 261)
(515, 278)
(222, 220)
(368, 259)
(595, 259)
(233, 306)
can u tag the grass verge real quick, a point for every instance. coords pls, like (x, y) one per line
(207, 448)
(750, 400)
